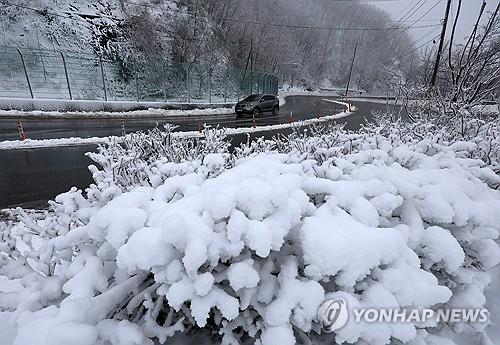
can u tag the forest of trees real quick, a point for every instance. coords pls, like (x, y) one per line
(308, 43)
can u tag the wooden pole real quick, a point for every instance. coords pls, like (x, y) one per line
(350, 71)
(441, 43)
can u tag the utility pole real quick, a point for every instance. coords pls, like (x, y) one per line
(195, 17)
(441, 43)
(249, 59)
(251, 65)
(350, 71)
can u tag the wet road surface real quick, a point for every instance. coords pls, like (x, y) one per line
(29, 178)
(303, 107)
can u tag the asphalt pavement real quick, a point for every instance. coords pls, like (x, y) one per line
(303, 107)
(28, 178)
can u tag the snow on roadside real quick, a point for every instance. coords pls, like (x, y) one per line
(345, 104)
(486, 109)
(44, 143)
(64, 142)
(373, 100)
(151, 112)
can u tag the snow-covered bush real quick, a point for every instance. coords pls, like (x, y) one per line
(185, 236)
(476, 129)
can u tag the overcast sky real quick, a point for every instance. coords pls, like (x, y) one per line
(468, 15)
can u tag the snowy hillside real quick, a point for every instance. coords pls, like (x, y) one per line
(55, 24)
(216, 32)
(102, 26)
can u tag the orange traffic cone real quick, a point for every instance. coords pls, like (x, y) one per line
(22, 135)
(123, 129)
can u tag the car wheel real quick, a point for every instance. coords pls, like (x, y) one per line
(276, 110)
(256, 112)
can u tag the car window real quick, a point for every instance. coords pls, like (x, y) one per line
(252, 98)
(268, 98)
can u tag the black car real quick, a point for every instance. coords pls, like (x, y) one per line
(257, 104)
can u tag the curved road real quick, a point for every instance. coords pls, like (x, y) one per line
(29, 178)
(303, 108)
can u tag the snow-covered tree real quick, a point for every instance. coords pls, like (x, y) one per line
(184, 236)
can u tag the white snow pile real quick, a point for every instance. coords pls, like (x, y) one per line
(72, 141)
(150, 113)
(182, 236)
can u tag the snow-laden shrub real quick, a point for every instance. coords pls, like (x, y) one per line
(181, 237)
(465, 123)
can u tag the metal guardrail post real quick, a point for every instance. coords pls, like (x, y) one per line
(188, 85)
(225, 86)
(25, 72)
(209, 86)
(164, 77)
(251, 82)
(239, 88)
(67, 77)
(103, 80)
(136, 84)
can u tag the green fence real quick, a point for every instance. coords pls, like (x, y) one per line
(43, 74)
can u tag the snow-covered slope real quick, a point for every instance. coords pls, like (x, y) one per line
(76, 25)
(55, 24)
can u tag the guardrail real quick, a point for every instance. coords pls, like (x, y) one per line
(392, 98)
(45, 74)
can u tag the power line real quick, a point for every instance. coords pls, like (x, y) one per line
(310, 27)
(407, 14)
(323, 18)
(361, 1)
(405, 9)
(422, 16)
(67, 15)
(40, 11)
(128, 2)
(417, 48)
(425, 36)
(254, 22)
